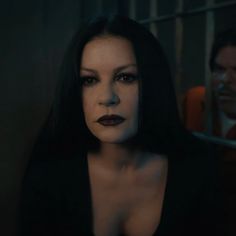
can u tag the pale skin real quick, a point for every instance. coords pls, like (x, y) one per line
(128, 186)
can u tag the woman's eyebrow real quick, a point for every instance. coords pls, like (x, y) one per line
(88, 70)
(116, 70)
(120, 68)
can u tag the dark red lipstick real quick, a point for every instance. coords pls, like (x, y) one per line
(110, 120)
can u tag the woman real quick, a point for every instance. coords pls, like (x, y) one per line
(117, 159)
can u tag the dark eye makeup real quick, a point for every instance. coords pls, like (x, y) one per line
(88, 80)
(126, 77)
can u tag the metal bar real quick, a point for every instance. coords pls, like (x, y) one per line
(188, 13)
(132, 9)
(153, 13)
(216, 140)
(100, 6)
(179, 55)
(157, 19)
(209, 35)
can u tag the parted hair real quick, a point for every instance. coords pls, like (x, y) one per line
(160, 129)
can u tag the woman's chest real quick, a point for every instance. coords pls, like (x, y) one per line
(132, 209)
(114, 219)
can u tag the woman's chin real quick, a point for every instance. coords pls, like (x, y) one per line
(115, 139)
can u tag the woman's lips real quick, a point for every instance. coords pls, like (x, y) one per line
(110, 120)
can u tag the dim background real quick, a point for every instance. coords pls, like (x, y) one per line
(34, 36)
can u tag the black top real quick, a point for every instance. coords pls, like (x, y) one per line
(56, 198)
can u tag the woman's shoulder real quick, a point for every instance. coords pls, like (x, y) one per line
(194, 185)
(195, 177)
(197, 163)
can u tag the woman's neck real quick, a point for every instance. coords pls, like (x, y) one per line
(119, 157)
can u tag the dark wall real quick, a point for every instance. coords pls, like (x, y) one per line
(34, 35)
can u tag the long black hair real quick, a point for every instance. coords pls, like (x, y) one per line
(160, 129)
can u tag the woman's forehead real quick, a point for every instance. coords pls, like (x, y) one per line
(108, 50)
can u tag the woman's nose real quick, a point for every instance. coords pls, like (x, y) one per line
(108, 96)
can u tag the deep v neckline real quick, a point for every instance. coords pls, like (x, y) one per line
(166, 199)
(165, 203)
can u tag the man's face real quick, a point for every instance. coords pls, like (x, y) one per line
(224, 80)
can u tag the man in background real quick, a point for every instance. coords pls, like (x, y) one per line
(223, 68)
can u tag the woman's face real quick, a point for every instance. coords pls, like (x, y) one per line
(110, 88)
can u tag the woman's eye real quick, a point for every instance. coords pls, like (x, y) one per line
(126, 77)
(88, 80)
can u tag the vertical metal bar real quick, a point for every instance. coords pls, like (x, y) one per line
(179, 52)
(100, 6)
(132, 9)
(210, 28)
(153, 13)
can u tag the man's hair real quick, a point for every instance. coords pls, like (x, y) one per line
(223, 39)
(159, 130)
